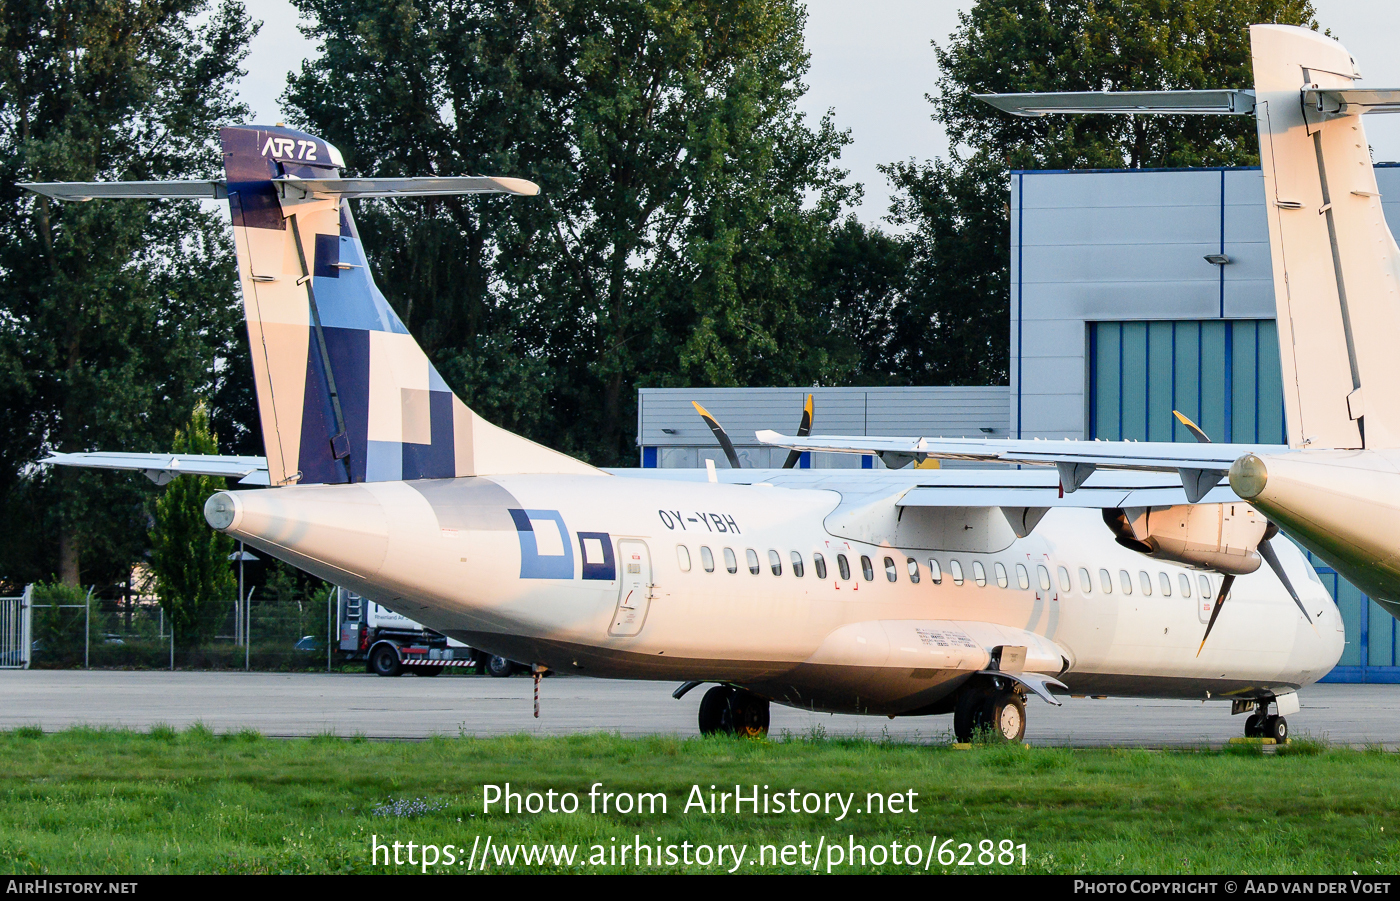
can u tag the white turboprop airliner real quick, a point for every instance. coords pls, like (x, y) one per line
(894, 592)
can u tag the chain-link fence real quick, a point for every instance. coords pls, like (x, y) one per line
(73, 628)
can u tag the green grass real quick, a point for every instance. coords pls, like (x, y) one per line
(104, 801)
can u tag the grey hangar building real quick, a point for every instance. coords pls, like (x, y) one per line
(1133, 293)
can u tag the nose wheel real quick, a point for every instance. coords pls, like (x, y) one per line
(1262, 725)
(733, 711)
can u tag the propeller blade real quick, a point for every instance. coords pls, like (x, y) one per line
(803, 431)
(1191, 427)
(720, 435)
(1225, 585)
(1266, 550)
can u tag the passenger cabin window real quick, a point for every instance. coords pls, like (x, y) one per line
(1000, 570)
(775, 562)
(867, 568)
(913, 570)
(1065, 585)
(1207, 590)
(819, 562)
(707, 559)
(957, 572)
(1023, 578)
(751, 556)
(1125, 581)
(891, 573)
(843, 566)
(935, 571)
(1184, 581)
(1165, 581)
(979, 574)
(683, 557)
(1044, 575)
(1086, 582)
(731, 562)
(797, 568)
(1105, 581)
(1146, 582)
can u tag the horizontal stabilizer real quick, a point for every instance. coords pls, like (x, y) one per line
(1200, 103)
(1352, 101)
(217, 189)
(214, 189)
(161, 468)
(408, 187)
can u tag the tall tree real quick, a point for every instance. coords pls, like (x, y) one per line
(190, 560)
(112, 313)
(685, 199)
(957, 211)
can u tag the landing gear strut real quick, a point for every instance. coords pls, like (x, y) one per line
(1261, 725)
(733, 711)
(996, 709)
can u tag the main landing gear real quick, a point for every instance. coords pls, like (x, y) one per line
(1261, 725)
(733, 711)
(996, 708)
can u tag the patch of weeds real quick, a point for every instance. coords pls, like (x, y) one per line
(27, 732)
(1305, 745)
(325, 738)
(248, 735)
(164, 732)
(200, 732)
(407, 807)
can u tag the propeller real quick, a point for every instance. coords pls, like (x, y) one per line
(1266, 551)
(803, 430)
(720, 435)
(1226, 584)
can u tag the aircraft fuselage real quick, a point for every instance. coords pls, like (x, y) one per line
(650, 579)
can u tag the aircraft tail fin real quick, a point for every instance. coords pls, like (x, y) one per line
(1335, 261)
(344, 392)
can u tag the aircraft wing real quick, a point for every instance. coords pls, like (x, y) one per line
(161, 468)
(1200, 467)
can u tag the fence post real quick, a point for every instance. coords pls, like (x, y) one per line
(87, 626)
(26, 623)
(330, 625)
(172, 647)
(248, 632)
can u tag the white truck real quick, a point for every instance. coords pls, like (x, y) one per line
(391, 643)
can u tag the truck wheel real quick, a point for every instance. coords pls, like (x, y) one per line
(428, 670)
(500, 667)
(384, 661)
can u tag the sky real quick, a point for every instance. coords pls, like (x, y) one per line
(871, 65)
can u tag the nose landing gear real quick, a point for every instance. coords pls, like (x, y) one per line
(1261, 725)
(733, 711)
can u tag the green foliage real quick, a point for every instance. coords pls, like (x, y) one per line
(195, 580)
(112, 313)
(686, 204)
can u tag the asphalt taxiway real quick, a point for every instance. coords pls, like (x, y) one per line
(411, 707)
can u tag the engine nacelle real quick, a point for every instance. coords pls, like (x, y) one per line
(1220, 537)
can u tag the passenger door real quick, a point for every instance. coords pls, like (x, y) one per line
(634, 588)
